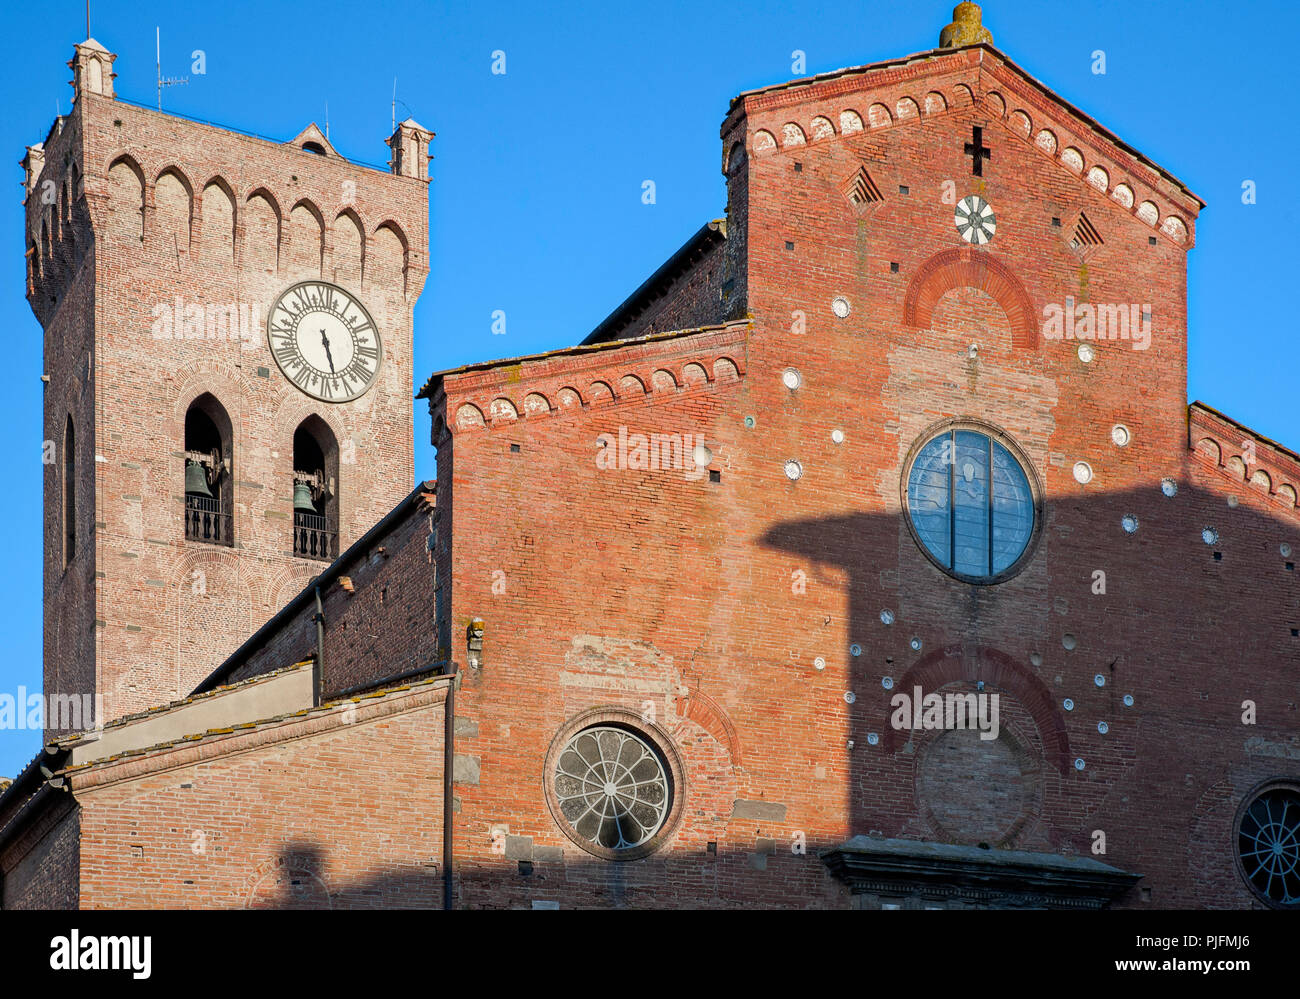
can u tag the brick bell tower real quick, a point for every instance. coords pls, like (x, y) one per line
(228, 348)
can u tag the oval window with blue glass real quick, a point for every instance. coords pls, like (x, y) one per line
(971, 504)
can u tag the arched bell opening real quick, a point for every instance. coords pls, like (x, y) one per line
(315, 490)
(209, 485)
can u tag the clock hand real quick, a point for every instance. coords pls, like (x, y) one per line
(330, 357)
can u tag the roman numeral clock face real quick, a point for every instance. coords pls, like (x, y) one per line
(324, 341)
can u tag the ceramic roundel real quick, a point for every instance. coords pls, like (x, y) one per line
(324, 341)
(974, 220)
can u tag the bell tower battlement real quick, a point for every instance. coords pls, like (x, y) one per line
(228, 362)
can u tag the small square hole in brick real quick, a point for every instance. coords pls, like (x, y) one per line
(1295, 632)
(1056, 223)
(525, 867)
(715, 476)
(1151, 241)
(1290, 567)
(263, 372)
(713, 847)
(1218, 556)
(893, 267)
(514, 448)
(789, 245)
(904, 189)
(798, 168)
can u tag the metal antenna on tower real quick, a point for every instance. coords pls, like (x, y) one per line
(327, 121)
(171, 81)
(394, 105)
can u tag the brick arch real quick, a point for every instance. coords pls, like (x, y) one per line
(210, 596)
(711, 716)
(130, 159)
(291, 409)
(284, 585)
(970, 268)
(213, 375)
(955, 664)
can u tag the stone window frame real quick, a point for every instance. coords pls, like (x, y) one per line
(1021, 457)
(1291, 784)
(617, 717)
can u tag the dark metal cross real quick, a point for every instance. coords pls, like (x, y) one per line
(978, 152)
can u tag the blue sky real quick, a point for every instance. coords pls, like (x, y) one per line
(536, 201)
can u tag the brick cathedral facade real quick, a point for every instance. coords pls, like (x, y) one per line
(910, 421)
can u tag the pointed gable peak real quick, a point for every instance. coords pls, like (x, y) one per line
(313, 140)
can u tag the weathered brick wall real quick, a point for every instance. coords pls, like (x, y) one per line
(383, 626)
(61, 290)
(645, 588)
(186, 212)
(41, 868)
(317, 812)
(737, 620)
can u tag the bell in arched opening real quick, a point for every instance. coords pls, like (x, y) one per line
(302, 500)
(196, 480)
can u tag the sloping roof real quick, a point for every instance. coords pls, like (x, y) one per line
(1268, 441)
(312, 134)
(708, 236)
(412, 123)
(422, 493)
(80, 738)
(324, 708)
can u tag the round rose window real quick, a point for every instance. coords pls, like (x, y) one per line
(612, 788)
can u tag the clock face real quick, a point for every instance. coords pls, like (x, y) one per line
(974, 220)
(324, 341)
